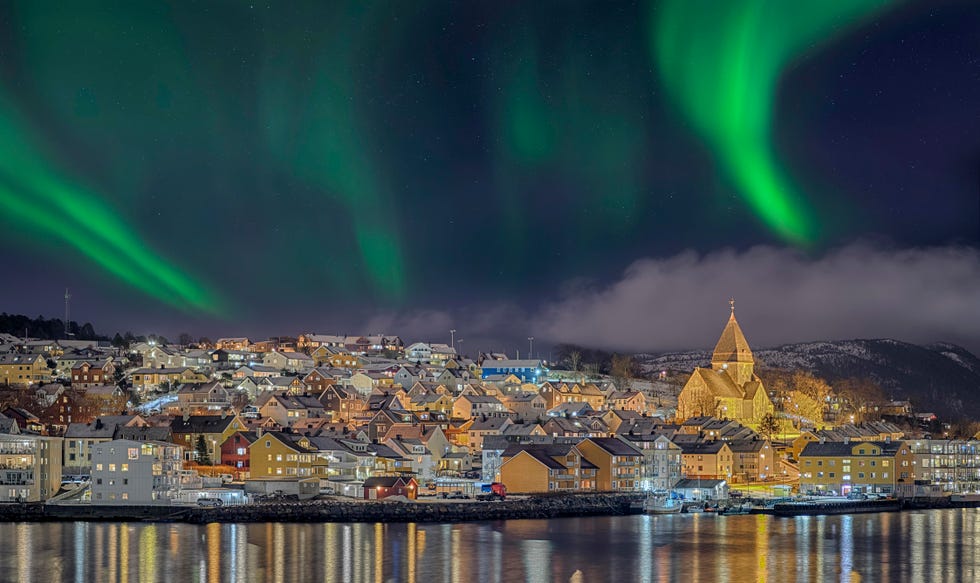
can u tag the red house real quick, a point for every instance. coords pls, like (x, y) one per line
(234, 452)
(92, 373)
(384, 486)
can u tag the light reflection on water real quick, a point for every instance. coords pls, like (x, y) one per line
(909, 546)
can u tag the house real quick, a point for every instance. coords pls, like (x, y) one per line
(627, 401)
(23, 369)
(136, 472)
(31, 467)
(570, 427)
(93, 373)
(702, 489)
(470, 406)
(617, 463)
(235, 452)
(856, 466)
(730, 389)
(287, 408)
(203, 398)
(526, 406)
(537, 468)
(232, 343)
(381, 487)
(283, 455)
(151, 379)
(80, 437)
(319, 379)
(440, 353)
(614, 418)
(753, 460)
(661, 459)
(342, 404)
(707, 459)
(418, 352)
(556, 394)
(528, 370)
(287, 383)
(482, 426)
(105, 399)
(415, 451)
(255, 371)
(288, 361)
(213, 429)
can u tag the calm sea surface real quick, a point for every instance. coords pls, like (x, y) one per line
(938, 545)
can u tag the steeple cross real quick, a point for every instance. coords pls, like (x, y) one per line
(731, 302)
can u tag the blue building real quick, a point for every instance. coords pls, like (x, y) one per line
(529, 371)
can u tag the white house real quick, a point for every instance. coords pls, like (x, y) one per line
(136, 472)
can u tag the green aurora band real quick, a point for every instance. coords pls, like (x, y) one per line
(721, 62)
(35, 197)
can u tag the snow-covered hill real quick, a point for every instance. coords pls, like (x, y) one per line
(942, 377)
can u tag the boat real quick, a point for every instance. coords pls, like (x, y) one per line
(662, 505)
(737, 509)
(694, 508)
(836, 506)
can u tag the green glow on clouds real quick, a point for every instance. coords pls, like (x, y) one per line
(721, 62)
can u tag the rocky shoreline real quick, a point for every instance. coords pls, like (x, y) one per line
(338, 510)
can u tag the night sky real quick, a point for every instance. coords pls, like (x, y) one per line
(607, 173)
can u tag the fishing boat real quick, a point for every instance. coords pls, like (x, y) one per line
(694, 508)
(662, 505)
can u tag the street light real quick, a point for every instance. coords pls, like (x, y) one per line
(530, 352)
(452, 337)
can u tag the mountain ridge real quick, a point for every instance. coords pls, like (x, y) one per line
(940, 377)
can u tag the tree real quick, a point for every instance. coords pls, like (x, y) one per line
(768, 426)
(185, 339)
(203, 455)
(623, 370)
(575, 357)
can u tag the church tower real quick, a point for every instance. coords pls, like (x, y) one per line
(732, 353)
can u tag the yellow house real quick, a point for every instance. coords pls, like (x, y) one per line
(535, 468)
(707, 459)
(23, 369)
(281, 455)
(617, 463)
(859, 466)
(152, 378)
(215, 429)
(556, 394)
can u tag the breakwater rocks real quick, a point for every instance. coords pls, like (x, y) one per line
(380, 511)
(338, 510)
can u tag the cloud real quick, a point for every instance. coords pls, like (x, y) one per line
(782, 296)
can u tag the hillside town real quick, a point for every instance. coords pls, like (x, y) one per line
(372, 417)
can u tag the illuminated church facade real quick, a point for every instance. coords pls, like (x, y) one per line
(730, 389)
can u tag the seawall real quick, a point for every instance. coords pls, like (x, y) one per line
(334, 510)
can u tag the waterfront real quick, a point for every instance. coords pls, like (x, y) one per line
(934, 545)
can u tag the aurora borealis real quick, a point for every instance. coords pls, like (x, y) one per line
(271, 164)
(722, 61)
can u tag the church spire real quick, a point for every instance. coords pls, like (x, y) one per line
(732, 352)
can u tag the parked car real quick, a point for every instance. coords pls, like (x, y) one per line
(458, 495)
(210, 502)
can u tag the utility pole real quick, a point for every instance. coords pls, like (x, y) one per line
(460, 342)
(452, 338)
(67, 314)
(530, 341)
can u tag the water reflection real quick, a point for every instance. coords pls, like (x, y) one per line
(910, 546)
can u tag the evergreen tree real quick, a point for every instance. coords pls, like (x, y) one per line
(203, 455)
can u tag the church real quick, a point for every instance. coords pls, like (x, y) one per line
(730, 389)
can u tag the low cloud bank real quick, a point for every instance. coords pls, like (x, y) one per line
(781, 296)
